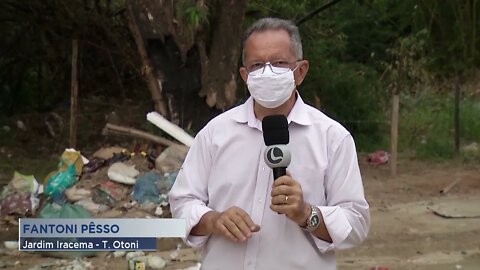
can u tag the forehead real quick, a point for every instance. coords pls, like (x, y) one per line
(268, 45)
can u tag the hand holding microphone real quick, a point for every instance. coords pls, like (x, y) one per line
(287, 194)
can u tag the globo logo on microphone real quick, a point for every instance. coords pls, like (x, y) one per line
(277, 156)
(274, 155)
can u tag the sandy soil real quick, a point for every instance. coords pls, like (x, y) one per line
(404, 234)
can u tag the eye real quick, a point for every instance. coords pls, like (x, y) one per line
(255, 66)
(281, 64)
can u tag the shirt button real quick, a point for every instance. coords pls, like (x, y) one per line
(259, 201)
(263, 169)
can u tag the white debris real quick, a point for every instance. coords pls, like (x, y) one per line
(21, 125)
(11, 244)
(118, 254)
(159, 211)
(196, 267)
(122, 173)
(156, 262)
(92, 207)
(75, 194)
(134, 254)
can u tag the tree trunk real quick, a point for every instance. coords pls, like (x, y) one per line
(154, 84)
(220, 71)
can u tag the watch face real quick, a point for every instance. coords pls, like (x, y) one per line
(314, 221)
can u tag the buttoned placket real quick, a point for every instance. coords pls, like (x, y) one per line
(260, 199)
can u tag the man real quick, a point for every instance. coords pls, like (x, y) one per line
(234, 210)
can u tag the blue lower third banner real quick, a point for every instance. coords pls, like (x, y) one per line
(87, 244)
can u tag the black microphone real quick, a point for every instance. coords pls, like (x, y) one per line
(275, 134)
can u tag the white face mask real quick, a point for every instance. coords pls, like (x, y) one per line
(270, 89)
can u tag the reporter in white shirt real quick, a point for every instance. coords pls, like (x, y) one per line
(235, 212)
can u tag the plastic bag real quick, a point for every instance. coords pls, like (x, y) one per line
(65, 210)
(60, 181)
(53, 210)
(151, 186)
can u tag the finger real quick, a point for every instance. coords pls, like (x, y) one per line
(285, 180)
(251, 225)
(280, 199)
(225, 232)
(282, 190)
(242, 226)
(280, 208)
(233, 229)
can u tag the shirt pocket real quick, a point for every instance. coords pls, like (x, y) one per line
(312, 181)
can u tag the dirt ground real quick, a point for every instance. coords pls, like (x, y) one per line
(404, 233)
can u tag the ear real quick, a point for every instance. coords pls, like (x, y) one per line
(243, 74)
(301, 72)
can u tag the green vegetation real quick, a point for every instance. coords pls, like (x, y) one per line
(360, 52)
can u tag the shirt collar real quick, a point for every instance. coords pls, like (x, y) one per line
(298, 114)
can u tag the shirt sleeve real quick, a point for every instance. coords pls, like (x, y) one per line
(188, 197)
(346, 214)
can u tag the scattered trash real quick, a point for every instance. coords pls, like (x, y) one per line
(171, 159)
(155, 262)
(92, 207)
(93, 165)
(137, 263)
(159, 211)
(115, 183)
(108, 152)
(70, 165)
(75, 194)
(54, 210)
(118, 254)
(378, 158)
(134, 254)
(78, 264)
(109, 193)
(120, 157)
(196, 267)
(60, 181)
(146, 188)
(13, 245)
(170, 128)
(22, 184)
(151, 186)
(122, 173)
(19, 197)
(19, 204)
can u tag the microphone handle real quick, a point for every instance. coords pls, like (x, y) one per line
(277, 172)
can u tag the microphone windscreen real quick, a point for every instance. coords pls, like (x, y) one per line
(275, 129)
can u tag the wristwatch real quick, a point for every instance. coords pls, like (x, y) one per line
(313, 219)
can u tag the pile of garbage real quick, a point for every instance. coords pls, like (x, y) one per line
(113, 183)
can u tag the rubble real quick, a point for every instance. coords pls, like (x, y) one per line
(114, 183)
(122, 173)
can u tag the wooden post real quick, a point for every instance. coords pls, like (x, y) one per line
(457, 117)
(394, 134)
(74, 96)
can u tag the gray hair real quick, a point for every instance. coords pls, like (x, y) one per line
(276, 24)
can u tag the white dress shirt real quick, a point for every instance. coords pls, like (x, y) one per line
(225, 167)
